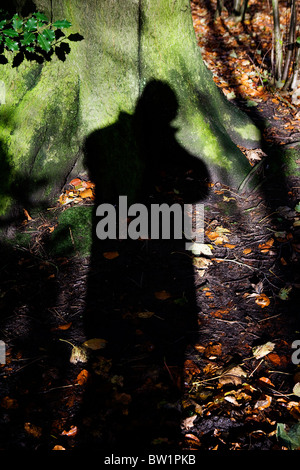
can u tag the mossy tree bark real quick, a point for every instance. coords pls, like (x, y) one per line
(51, 108)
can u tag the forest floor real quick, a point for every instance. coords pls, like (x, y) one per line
(227, 379)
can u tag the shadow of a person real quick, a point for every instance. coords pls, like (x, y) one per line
(142, 302)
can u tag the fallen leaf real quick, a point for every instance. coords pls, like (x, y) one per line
(265, 380)
(188, 423)
(284, 293)
(264, 403)
(33, 430)
(296, 389)
(265, 247)
(72, 432)
(231, 399)
(76, 182)
(291, 438)
(78, 354)
(262, 300)
(246, 251)
(27, 215)
(213, 350)
(111, 254)
(200, 249)
(58, 447)
(87, 193)
(162, 295)
(95, 343)
(87, 184)
(82, 377)
(232, 376)
(263, 350)
(9, 403)
(145, 314)
(201, 263)
(65, 326)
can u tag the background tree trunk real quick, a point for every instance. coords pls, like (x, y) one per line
(51, 108)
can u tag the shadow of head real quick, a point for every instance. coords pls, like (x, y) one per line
(139, 153)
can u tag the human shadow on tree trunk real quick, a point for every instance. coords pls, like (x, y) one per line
(140, 292)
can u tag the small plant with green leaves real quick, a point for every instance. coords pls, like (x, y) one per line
(35, 34)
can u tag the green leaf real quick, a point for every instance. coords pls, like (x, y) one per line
(284, 293)
(297, 207)
(44, 44)
(11, 45)
(10, 32)
(298, 40)
(31, 24)
(251, 104)
(49, 34)
(2, 23)
(62, 24)
(17, 22)
(41, 17)
(290, 439)
(30, 49)
(28, 38)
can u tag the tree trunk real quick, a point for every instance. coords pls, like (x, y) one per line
(53, 108)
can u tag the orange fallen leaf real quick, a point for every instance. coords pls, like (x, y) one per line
(162, 295)
(246, 251)
(265, 247)
(228, 245)
(65, 326)
(82, 377)
(87, 193)
(27, 215)
(262, 300)
(76, 182)
(266, 381)
(110, 254)
(72, 432)
(277, 360)
(264, 403)
(58, 447)
(87, 184)
(219, 313)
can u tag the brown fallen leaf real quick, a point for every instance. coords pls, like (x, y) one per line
(162, 295)
(264, 403)
(111, 254)
(234, 376)
(213, 350)
(188, 423)
(95, 343)
(9, 403)
(145, 314)
(33, 430)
